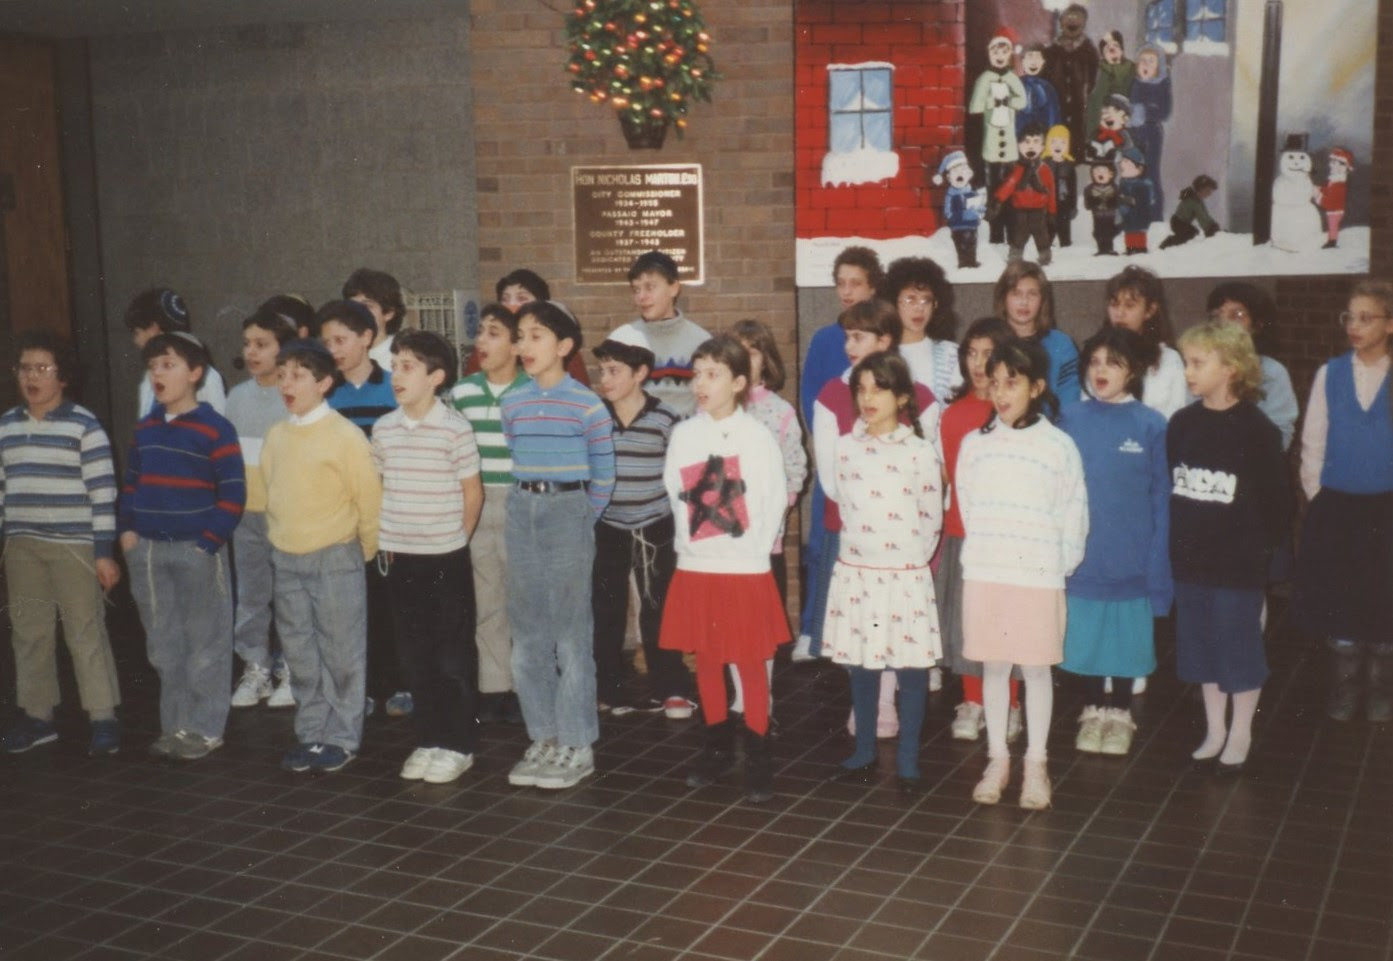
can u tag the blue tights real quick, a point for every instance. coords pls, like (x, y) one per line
(865, 702)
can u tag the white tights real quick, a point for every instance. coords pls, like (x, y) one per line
(1238, 737)
(996, 703)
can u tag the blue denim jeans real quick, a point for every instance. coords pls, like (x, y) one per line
(185, 601)
(551, 554)
(321, 617)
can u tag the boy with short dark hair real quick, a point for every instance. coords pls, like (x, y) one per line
(635, 533)
(431, 499)
(58, 507)
(183, 495)
(363, 393)
(479, 397)
(160, 310)
(857, 275)
(673, 336)
(563, 459)
(323, 498)
(380, 293)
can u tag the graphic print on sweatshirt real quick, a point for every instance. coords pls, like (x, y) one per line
(715, 497)
(1202, 484)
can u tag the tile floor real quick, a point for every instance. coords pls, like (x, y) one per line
(1139, 860)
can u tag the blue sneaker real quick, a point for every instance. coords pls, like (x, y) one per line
(106, 738)
(297, 759)
(400, 704)
(324, 758)
(28, 732)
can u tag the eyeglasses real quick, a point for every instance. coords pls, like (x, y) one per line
(1232, 315)
(35, 370)
(909, 301)
(1348, 319)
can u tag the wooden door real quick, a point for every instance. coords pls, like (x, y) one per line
(34, 288)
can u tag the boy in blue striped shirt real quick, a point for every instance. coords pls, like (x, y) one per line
(635, 534)
(563, 461)
(58, 507)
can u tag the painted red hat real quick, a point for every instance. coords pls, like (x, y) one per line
(1007, 36)
(1342, 155)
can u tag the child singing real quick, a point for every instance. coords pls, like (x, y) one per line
(1025, 511)
(725, 479)
(881, 614)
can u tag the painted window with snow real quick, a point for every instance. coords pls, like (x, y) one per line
(1160, 24)
(859, 124)
(1206, 22)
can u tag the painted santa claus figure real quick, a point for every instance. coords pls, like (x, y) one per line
(1331, 198)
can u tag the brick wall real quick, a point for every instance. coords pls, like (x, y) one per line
(233, 163)
(924, 40)
(531, 128)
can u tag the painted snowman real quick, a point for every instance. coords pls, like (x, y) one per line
(1296, 223)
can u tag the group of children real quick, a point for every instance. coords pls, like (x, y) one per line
(464, 549)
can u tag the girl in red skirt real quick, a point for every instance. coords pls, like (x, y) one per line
(724, 475)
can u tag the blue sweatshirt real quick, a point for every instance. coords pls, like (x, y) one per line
(1127, 556)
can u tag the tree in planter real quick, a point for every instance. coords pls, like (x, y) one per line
(648, 59)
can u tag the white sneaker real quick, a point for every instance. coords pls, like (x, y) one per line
(994, 778)
(1035, 786)
(1015, 723)
(1118, 729)
(568, 767)
(935, 680)
(802, 649)
(678, 708)
(417, 763)
(1139, 684)
(253, 688)
(538, 756)
(447, 766)
(1090, 735)
(968, 725)
(281, 695)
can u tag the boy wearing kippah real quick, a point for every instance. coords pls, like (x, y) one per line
(160, 310)
(635, 533)
(322, 503)
(183, 495)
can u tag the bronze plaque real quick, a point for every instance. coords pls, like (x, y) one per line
(621, 212)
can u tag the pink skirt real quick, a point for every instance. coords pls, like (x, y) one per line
(732, 617)
(1022, 625)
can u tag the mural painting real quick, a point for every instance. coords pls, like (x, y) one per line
(1194, 137)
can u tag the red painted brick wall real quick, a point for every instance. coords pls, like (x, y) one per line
(924, 40)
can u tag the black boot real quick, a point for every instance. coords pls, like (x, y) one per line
(759, 773)
(716, 758)
(1378, 706)
(1345, 663)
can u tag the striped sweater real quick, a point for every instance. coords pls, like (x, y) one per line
(57, 482)
(562, 434)
(639, 450)
(364, 403)
(422, 464)
(480, 401)
(184, 479)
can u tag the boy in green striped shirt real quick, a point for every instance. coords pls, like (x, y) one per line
(479, 397)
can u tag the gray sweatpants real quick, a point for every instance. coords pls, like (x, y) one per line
(185, 601)
(322, 620)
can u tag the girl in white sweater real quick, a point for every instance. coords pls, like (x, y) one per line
(725, 478)
(1025, 513)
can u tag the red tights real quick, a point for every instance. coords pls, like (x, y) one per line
(711, 688)
(972, 690)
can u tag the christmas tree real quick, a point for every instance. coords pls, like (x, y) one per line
(648, 59)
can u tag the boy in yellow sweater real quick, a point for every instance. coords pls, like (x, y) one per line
(322, 502)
